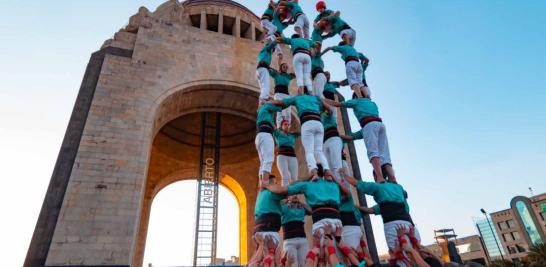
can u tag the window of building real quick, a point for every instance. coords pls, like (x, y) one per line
(511, 224)
(528, 222)
(520, 248)
(543, 215)
(507, 237)
(511, 250)
(516, 236)
(503, 226)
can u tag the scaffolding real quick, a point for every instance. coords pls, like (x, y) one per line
(207, 191)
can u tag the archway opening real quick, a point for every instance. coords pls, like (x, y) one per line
(170, 237)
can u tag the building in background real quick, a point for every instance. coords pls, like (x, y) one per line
(470, 248)
(489, 237)
(521, 226)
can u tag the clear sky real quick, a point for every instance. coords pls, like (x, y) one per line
(460, 86)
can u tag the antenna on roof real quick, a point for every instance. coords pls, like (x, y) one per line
(531, 190)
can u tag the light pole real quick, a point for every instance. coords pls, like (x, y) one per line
(493, 233)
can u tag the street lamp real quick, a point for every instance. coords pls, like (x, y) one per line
(492, 232)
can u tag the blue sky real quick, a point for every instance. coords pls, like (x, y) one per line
(460, 85)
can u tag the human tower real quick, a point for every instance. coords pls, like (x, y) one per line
(338, 239)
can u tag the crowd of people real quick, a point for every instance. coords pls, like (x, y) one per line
(325, 193)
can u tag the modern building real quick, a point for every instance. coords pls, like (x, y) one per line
(521, 226)
(489, 237)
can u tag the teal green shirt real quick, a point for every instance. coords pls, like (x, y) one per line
(328, 120)
(324, 14)
(345, 51)
(320, 192)
(279, 24)
(362, 107)
(331, 87)
(269, 11)
(267, 202)
(283, 139)
(295, 8)
(299, 43)
(266, 113)
(266, 52)
(385, 192)
(317, 62)
(304, 103)
(357, 135)
(337, 23)
(348, 205)
(281, 78)
(292, 214)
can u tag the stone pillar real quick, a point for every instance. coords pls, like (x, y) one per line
(253, 31)
(237, 31)
(203, 20)
(221, 22)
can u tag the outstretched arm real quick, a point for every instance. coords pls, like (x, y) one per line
(352, 181)
(276, 102)
(326, 50)
(332, 102)
(344, 190)
(277, 189)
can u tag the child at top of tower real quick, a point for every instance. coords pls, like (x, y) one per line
(301, 22)
(323, 12)
(353, 67)
(282, 79)
(335, 25)
(274, 23)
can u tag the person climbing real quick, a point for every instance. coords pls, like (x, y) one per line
(351, 219)
(274, 24)
(262, 71)
(335, 25)
(353, 68)
(282, 81)
(323, 12)
(287, 163)
(301, 61)
(309, 108)
(301, 22)
(295, 244)
(374, 134)
(365, 62)
(264, 139)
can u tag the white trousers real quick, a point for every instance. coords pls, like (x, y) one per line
(346, 167)
(352, 35)
(312, 135)
(269, 26)
(286, 113)
(295, 250)
(392, 237)
(332, 150)
(375, 139)
(302, 68)
(351, 235)
(288, 167)
(303, 23)
(354, 71)
(318, 84)
(266, 151)
(262, 75)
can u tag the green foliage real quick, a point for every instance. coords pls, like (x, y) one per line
(537, 255)
(501, 263)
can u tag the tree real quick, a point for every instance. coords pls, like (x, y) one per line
(501, 263)
(537, 255)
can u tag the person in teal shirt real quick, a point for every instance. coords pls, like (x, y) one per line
(365, 62)
(301, 61)
(309, 108)
(282, 81)
(295, 244)
(287, 163)
(335, 25)
(264, 139)
(262, 71)
(333, 146)
(330, 88)
(351, 220)
(301, 22)
(392, 205)
(317, 72)
(373, 132)
(353, 68)
(322, 195)
(267, 218)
